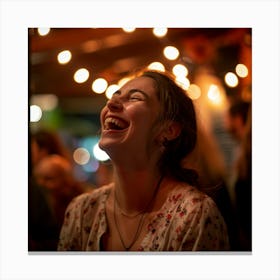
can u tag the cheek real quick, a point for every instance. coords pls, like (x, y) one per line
(102, 113)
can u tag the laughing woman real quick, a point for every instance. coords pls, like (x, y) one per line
(153, 204)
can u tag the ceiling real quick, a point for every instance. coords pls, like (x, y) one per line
(111, 53)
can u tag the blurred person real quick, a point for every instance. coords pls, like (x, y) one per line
(236, 119)
(43, 226)
(243, 188)
(235, 125)
(240, 182)
(207, 159)
(43, 230)
(153, 203)
(54, 174)
(45, 142)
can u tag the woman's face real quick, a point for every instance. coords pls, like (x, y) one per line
(128, 119)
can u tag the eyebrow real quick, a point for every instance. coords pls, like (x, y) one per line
(132, 91)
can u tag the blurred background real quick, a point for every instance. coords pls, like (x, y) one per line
(74, 71)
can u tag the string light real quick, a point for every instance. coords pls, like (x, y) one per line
(64, 57)
(241, 70)
(123, 81)
(156, 66)
(128, 29)
(81, 75)
(231, 79)
(171, 52)
(42, 31)
(160, 32)
(99, 85)
(182, 82)
(111, 90)
(180, 70)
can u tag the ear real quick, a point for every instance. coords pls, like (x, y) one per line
(171, 130)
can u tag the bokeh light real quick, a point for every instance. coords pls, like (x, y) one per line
(81, 156)
(99, 85)
(35, 113)
(81, 75)
(123, 81)
(64, 57)
(46, 102)
(231, 79)
(111, 90)
(156, 66)
(128, 29)
(99, 154)
(194, 91)
(43, 31)
(180, 70)
(91, 166)
(214, 94)
(183, 82)
(241, 70)
(171, 52)
(160, 31)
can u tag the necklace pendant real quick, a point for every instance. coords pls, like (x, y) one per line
(140, 223)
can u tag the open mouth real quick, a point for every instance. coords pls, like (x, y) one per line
(115, 124)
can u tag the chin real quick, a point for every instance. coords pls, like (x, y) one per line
(107, 145)
(102, 145)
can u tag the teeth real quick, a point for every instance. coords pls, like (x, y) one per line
(114, 121)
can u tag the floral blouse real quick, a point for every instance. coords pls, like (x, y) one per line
(189, 220)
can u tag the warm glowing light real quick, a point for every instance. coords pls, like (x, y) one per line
(194, 91)
(111, 90)
(231, 79)
(46, 102)
(99, 85)
(129, 29)
(81, 75)
(171, 52)
(50, 102)
(64, 57)
(43, 31)
(99, 154)
(123, 81)
(214, 94)
(156, 66)
(35, 113)
(180, 70)
(183, 82)
(241, 70)
(160, 31)
(81, 156)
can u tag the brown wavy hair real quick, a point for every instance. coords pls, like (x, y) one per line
(176, 106)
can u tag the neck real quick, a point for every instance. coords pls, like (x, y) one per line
(135, 188)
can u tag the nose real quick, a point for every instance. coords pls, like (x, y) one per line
(114, 104)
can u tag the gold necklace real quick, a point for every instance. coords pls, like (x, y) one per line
(126, 214)
(140, 224)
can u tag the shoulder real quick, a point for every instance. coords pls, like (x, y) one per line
(90, 198)
(187, 194)
(196, 213)
(190, 200)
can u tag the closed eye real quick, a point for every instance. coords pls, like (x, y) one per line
(132, 95)
(136, 96)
